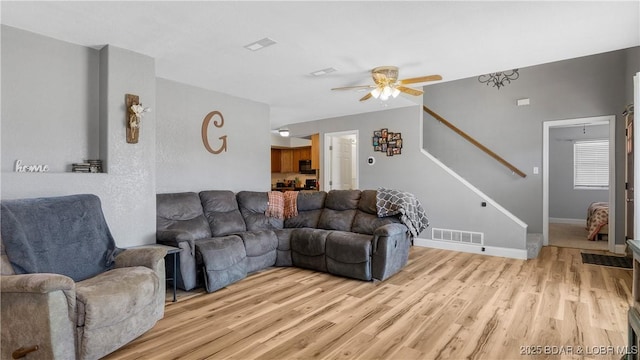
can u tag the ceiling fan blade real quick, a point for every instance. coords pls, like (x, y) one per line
(410, 91)
(366, 97)
(420, 79)
(354, 87)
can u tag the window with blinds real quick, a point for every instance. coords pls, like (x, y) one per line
(591, 164)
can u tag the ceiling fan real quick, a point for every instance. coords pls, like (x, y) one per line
(387, 84)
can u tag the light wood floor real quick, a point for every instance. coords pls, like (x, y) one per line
(442, 305)
(574, 236)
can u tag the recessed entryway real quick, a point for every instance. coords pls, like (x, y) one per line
(563, 134)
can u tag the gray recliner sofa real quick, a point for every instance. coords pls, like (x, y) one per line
(225, 236)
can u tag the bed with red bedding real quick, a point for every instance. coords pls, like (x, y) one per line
(597, 220)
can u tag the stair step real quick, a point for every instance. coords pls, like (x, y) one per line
(534, 244)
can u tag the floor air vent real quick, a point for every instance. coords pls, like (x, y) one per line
(459, 236)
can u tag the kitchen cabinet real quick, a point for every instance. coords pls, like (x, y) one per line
(315, 151)
(275, 161)
(296, 160)
(286, 161)
(305, 153)
(301, 153)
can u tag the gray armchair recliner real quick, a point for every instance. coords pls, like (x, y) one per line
(66, 288)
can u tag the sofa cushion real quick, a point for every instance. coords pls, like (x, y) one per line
(284, 247)
(224, 259)
(115, 296)
(340, 210)
(347, 247)
(349, 254)
(259, 242)
(308, 247)
(368, 202)
(253, 206)
(261, 249)
(221, 210)
(181, 212)
(309, 241)
(336, 219)
(310, 205)
(342, 199)
(364, 223)
(221, 252)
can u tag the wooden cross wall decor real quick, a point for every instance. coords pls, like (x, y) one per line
(133, 122)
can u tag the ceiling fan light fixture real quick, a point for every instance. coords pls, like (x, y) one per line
(284, 132)
(386, 84)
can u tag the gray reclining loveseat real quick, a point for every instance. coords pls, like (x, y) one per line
(225, 235)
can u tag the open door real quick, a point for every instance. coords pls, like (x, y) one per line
(341, 155)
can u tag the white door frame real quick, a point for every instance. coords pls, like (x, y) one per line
(636, 162)
(327, 157)
(547, 125)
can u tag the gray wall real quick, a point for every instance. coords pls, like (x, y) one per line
(64, 103)
(183, 163)
(583, 87)
(47, 121)
(50, 101)
(565, 202)
(449, 204)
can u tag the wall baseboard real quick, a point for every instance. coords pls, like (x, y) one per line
(620, 249)
(568, 221)
(475, 249)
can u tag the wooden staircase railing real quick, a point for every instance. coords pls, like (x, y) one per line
(475, 142)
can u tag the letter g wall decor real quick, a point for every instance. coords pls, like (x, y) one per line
(205, 137)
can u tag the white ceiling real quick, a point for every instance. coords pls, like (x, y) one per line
(202, 43)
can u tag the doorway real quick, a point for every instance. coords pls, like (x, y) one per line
(341, 160)
(582, 124)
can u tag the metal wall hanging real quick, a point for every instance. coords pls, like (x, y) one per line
(499, 79)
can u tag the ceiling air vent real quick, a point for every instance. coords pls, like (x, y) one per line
(260, 44)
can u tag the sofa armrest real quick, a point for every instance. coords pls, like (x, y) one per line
(175, 238)
(385, 233)
(390, 250)
(36, 283)
(151, 257)
(38, 309)
(391, 229)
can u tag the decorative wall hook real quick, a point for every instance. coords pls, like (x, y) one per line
(135, 111)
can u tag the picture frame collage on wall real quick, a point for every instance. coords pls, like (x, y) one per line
(387, 142)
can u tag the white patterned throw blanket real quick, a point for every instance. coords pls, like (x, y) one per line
(393, 202)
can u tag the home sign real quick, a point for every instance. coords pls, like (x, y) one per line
(30, 168)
